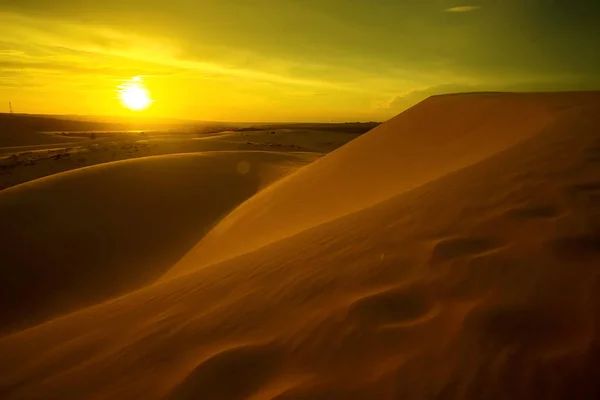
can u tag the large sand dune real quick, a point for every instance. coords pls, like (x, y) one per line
(79, 237)
(440, 135)
(457, 261)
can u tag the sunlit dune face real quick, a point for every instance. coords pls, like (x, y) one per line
(134, 95)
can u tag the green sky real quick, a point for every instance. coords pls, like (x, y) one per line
(288, 60)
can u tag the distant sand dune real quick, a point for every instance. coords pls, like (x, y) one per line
(22, 164)
(14, 133)
(471, 274)
(76, 238)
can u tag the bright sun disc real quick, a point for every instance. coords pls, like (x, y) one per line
(134, 96)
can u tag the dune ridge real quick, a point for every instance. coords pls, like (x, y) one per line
(434, 138)
(480, 283)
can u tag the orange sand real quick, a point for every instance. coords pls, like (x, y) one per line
(79, 237)
(452, 252)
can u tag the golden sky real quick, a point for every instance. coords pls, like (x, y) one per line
(287, 60)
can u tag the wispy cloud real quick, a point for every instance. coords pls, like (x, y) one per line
(45, 48)
(461, 9)
(404, 100)
(72, 46)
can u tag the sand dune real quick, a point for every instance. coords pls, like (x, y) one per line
(13, 132)
(467, 275)
(79, 237)
(22, 164)
(440, 135)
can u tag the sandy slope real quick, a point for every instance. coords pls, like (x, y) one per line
(76, 238)
(480, 283)
(440, 135)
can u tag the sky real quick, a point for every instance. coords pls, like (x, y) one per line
(288, 60)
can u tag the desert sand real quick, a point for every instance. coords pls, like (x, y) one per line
(451, 252)
(19, 164)
(82, 236)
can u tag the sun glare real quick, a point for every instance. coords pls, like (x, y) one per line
(134, 95)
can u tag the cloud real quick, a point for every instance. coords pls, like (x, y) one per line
(405, 100)
(74, 46)
(461, 9)
(408, 99)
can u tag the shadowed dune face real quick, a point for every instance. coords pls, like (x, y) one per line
(79, 237)
(440, 135)
(451, 290)
(250, 367)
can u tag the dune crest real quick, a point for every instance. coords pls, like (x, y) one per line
(434, 138)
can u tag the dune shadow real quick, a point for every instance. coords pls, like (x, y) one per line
(460, 247)
(396, 305)
(532, 212)
(232, 374)
(576, 248)
(79, 238)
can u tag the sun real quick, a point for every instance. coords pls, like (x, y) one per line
(134, 95)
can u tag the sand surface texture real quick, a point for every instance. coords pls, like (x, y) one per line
(450, 253)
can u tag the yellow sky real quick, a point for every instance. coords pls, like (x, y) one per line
(209, 61)
(79, 68)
